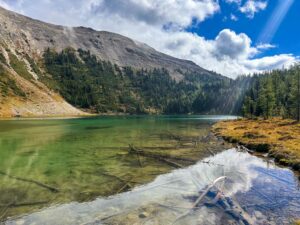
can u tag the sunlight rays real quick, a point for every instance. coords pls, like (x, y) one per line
(275, 21)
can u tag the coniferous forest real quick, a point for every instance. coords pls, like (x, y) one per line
(275, 93)
(99, 86)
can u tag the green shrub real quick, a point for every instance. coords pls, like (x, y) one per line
(8, 85)
(19, 67)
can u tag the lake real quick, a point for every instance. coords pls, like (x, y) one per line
(134, 170)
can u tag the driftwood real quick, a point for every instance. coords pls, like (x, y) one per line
(244, 149)
(118, 178)
(24, 204)
(146, 153)
(210, 151)
(139, 160)
(187, 138)
(162, 158)
(52, 189)
(230, 207)
(16, 205)
(199, 199)
(125, 183)
(165, 148)
(125, 186)
(182, 140)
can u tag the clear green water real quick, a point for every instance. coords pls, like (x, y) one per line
(87, 158)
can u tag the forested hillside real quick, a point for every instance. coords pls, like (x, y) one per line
(99, 86)
(275, 93)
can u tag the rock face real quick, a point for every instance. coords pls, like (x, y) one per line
(26, 39)
(33, 36)
(38, 101)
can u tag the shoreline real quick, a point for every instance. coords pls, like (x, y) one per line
(279, 139)
(90, 115)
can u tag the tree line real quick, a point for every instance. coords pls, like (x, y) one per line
(275, 93)
(100, 86)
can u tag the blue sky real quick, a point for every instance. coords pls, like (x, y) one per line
(286, 38)
(231, 37)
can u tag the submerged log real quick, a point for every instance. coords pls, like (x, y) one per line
(118, 178)
(52, 189)
(147, 153)
(162, 158)
(230, 207)
(24, 204)
(125, 184)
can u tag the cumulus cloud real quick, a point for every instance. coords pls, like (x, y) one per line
(251, 7)
(268, 63)
(162, 25)
(157, 12)
(235, 46)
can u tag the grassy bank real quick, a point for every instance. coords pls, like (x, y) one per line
(280, 138)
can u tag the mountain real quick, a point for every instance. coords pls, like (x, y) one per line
(33, 37)
(54, 70)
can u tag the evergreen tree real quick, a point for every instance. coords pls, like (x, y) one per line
(275, 93)
(270, 98)
(298, 93)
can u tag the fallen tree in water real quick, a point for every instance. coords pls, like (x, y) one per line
(160, 157)
(52, 189)
(23, 204)
(213, 196)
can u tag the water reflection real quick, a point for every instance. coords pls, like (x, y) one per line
(88, 157)
(262, 192)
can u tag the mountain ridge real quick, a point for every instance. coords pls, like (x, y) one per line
(116, 48)
(113, 74)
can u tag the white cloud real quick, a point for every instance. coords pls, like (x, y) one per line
(152, 12)
(159, 12)
(233, 17)
(251, 7)
(235, 46)
(4, 4)
(229, 53)
(269, 63)
(265, 46)
(233, 1)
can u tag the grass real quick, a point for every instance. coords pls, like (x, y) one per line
(8, 85)
(20, 67)
(281, 138)
(2, 58)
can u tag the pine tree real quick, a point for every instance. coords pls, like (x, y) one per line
(261, 100)
(248, 108)
(270, 98)
(275, 93)
(297, 95)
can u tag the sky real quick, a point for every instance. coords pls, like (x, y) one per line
(231, 37)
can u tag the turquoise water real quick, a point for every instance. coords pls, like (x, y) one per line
(49, 162)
